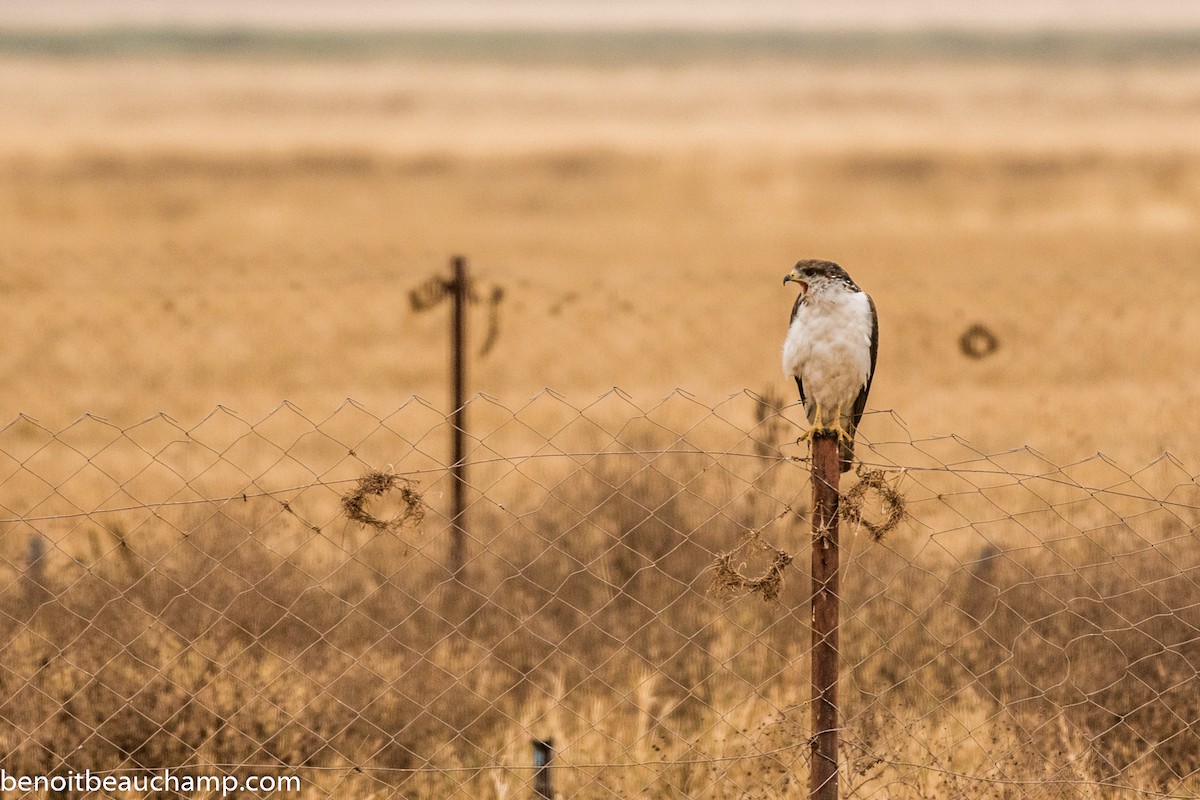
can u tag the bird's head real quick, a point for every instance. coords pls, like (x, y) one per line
(814, 275)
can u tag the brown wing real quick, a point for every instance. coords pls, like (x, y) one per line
(860, 402)
(795, 311)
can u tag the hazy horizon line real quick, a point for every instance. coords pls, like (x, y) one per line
(888, 15)
(607, 44)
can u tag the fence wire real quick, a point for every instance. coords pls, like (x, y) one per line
(273, 596)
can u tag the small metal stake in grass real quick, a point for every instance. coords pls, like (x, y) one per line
(543, 754)
(823, 763)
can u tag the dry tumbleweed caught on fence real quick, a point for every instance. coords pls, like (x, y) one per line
(730, 581)
(377, 484)
(892, 501)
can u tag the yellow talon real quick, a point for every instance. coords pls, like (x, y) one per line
(820, 429)
(817, 427)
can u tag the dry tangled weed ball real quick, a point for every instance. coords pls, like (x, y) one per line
(978, 341)
(377, 484)
(890, 498)
(729, 579)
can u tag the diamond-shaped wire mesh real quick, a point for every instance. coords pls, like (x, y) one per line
(275, 596)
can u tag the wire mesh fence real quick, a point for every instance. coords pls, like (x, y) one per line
(276, 597)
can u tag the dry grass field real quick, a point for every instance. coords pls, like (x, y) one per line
(183, 231)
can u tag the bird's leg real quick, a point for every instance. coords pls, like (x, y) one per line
(818, 428)
(842, 434)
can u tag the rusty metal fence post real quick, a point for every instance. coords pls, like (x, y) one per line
(826, 473)
(458, 418)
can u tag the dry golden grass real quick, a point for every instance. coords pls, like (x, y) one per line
(176, 234)
(1013, 630)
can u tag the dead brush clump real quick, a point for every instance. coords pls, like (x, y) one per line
(729, 579)
(891, 502)
(377, 484)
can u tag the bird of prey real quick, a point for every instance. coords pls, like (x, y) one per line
(830, 350)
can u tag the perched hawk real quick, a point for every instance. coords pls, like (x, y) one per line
(830, 349)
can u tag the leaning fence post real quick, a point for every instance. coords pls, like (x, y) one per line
(823, 763)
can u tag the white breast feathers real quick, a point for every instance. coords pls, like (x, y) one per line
(828, 347)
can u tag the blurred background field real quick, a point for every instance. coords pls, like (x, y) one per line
(201, 216)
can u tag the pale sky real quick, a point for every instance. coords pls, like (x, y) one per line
(1012, 14)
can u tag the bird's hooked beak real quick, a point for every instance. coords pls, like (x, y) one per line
(791, 277)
